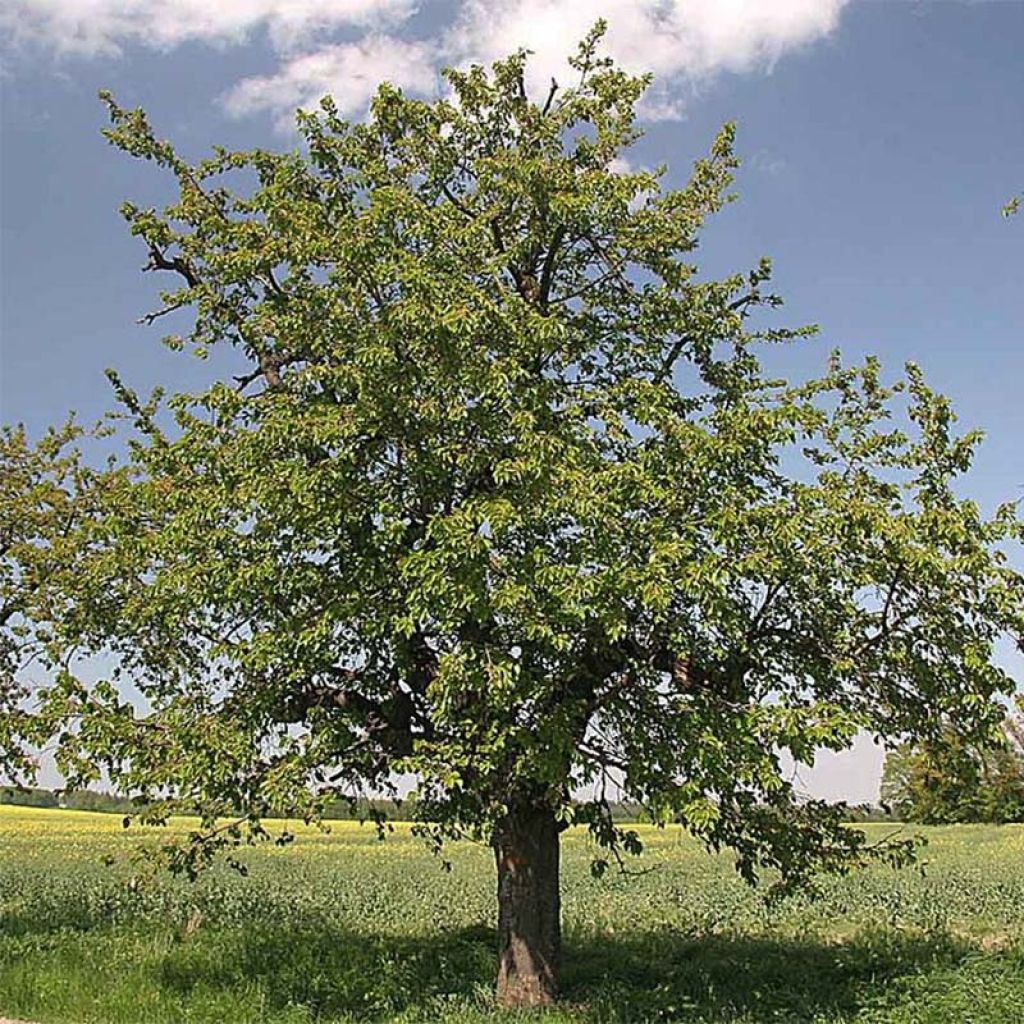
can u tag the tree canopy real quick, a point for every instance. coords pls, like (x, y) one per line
(501, 498)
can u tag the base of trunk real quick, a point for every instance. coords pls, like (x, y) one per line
(526, 851)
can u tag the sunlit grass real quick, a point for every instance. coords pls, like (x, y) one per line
(339, 926)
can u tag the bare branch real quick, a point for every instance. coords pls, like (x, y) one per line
(149, 318)
(551, 98)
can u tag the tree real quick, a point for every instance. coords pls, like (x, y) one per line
(949, 783)
(501, 497)
(950, 780)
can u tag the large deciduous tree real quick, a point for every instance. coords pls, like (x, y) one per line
(500, 497)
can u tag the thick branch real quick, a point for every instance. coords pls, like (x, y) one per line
(547, 270)
(178, 264)
(388, 721)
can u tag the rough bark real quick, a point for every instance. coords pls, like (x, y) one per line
(526, 850)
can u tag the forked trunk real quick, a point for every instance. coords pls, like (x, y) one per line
(526, 850)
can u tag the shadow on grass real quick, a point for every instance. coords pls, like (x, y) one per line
(723, 978)
(654, 976)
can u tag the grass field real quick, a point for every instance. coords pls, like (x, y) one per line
(340, 927)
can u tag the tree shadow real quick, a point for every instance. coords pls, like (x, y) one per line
(665, 976)
(332, 971)
(652, 976)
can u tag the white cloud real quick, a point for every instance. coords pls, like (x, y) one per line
(681, 41)
(350, 72)
(669, 37)
(103, 27)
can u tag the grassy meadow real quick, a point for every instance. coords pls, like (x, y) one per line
(339, 927)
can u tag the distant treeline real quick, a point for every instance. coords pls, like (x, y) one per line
(361, 810)
(77, 800)
(116, 803)
(867, 812)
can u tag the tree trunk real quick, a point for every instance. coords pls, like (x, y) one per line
(526, 850)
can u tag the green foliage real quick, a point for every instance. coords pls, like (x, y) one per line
(950, 780)
(43, 500)
(502, 499)
(341, 928)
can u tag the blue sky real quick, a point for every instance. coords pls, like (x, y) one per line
(880, 142)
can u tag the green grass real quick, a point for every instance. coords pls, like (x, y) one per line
(340, 927)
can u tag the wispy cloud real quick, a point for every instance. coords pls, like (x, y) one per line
(769, 163)
(94, 28)
(350, 72)
(681, 41)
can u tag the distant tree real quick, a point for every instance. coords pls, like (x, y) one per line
(502, 499)
(1014, 725)
(951, 780)
(28, 796)
(866, 812)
